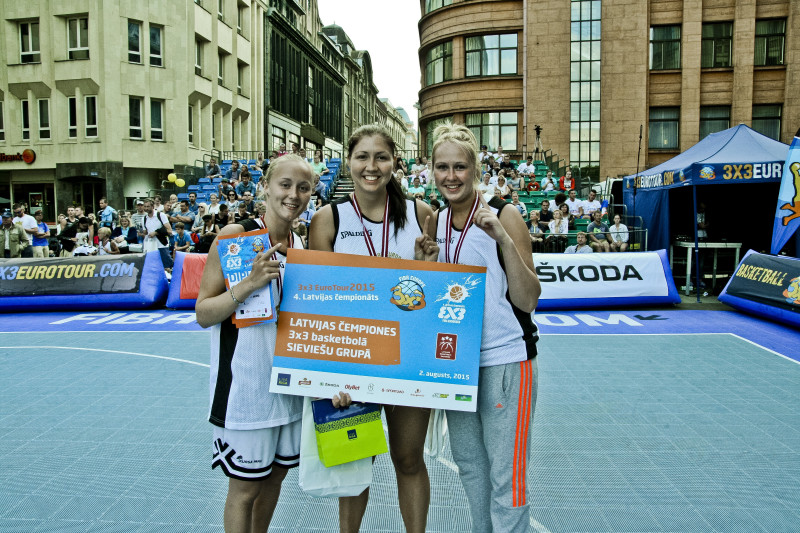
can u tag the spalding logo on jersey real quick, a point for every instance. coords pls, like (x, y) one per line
(408, 294)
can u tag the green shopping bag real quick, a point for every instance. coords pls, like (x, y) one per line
(345, 435)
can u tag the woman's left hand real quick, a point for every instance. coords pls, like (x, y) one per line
(425, 247)
(486, 220)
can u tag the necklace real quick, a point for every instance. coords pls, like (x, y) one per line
(367, 237)
(449, 231)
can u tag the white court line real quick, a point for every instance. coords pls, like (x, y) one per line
(765, 348)
(671, 334)
(110, 351)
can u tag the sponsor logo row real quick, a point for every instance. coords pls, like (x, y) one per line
(285, 380)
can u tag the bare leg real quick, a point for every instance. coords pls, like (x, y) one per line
(239, 505)
(351, 512)
(267, 500)
(407, 429)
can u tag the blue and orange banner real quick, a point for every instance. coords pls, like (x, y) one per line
(384, 330)
(787, 213)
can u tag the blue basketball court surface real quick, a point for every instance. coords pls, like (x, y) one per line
(658, 420)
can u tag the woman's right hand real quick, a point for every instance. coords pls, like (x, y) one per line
(341, 400)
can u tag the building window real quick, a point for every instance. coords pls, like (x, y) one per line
(134, 41)
(221, 68)
(439, 64)
(191, 125)
(135, 117)
(198, 58)
(44, 118)
(716, 45)
(91, 116)
(72, 111)
(494, 129)
(156, 120)
(156, 34)
(221, 9)
(767, 120)
(584, 126)
(239, 78)
(278, 137)
(240, 19)
(714, 119)
(26, 121)
(432, 5)
(770, 40)
(663, 128)
(29, 51)
(233, 134)
(78, 38)
(2, 124)
(492, 55)
(665, 47)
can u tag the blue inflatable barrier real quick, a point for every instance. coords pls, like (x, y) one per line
(129, 281)
(601, 280)
(185, 284)
(767, 286)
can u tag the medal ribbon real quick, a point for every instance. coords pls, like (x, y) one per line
(449, 230)
(367, 238)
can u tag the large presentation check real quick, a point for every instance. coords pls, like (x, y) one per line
(384, 330)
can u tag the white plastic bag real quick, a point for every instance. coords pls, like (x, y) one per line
(348, 479)
(437, 431)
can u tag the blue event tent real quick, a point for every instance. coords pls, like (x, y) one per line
(738, 155)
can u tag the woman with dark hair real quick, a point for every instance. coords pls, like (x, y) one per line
(382, 222)
(399, 163)
(256, 432)
(491, 446)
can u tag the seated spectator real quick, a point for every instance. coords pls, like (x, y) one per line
(184, 215)
(173, 203)
(505, 162)
(241, 213)
(547, 183)
(197, 223)
(483, 155)
(247, 200)
(158, 206)
(619, 235)
(193, 205)
(599, 236)
(520, 206)
(533, 185)
(125, 234)
(261, 163)
(426, 174)
(183, 241)
(106, 245)
(282, 150)
(212, 169)
(566, 182)
(245, 185)
(590, 205)
(581, 247)
(502, 187)
(231, 200)
(559, 228)
(545, 215)
(319, 167)
(435, 205)
(206, 234)
(416, 190)
(513, 180)
(224, 217)
(420, 165)
(559, 199)
(536, 233)
(225, 188)
(320, 189)
(489, 164)
(566, 215)
(575, 206)
(83, 244)
(213, 206)
(485, 188)
(499, 155)
(400, 176)
(400, 164)
(527, 168)
(233, 172)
